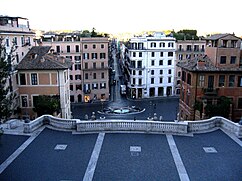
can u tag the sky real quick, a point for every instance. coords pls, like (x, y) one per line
(112, 16)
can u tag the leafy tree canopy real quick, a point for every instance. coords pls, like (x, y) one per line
(46, 105)
(185, 34)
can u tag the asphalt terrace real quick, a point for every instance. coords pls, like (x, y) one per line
(119, 157)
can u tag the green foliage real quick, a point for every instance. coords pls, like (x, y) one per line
(222, 108)
(47, 105)
(186, 35)
(5, 96)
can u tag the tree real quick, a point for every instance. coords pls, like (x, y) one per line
(46, 105)
(6, 96)
(222, 108)
(186, 34)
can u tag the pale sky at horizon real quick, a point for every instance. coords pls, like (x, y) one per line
(207, 16)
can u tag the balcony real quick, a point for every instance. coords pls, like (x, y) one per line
(210, 91)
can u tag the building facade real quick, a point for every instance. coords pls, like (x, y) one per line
(206, 79)
(89, 78)
(186, 50)
(18, 39)
(42, 73)
(152, 66)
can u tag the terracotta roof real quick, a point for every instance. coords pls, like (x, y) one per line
(39, 58)
(204, 64)
(219, 36)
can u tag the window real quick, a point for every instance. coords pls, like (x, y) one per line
(77, 48)
(169, 62)
(102, 55)
(140, 54)
(134, 54)
(152, 54)
(152, 62)
(162, 44)
(239, 81)
(133, 72)
(161, 80)
(140, 81)
(68, 48)
(77, 66)
(132, 65)
(94, 55)
(140, 72)
(22, 79)
(152, 72)
(94, 86)
(86, 65)
(58, 49)
(152, 80)
(77, 77)
(179, 74)
(15, 41)
(77, 58)
(17, 58)
(22, 40)
(139, 64)
(170, 44)
(102, 76)
(94, 46)
(170, 54)
(78, 87)
(35, 99)
(161, 62)
(102, 85)
(85, 56)
(161, 72)
(24, 101)
(169, 71)
(221, 80)
(231, 80)
(94, 75)
(233, 43)
(232, 59)
(161, 54)
(189, 79)
(196, 48)
(184, 76)
(134, 81)
(201, 80)
(34, 80)
(153, 44)
(85, 46)
(7, 42)
(223, 60)
(188, 56)
(180, 57)
(169, 79)
(86, 75)
(94, 65)
(102, 45)
(72, 98)
(71, 77)
(102, 65)
(189, 48)
(71, 87)
(240, 103)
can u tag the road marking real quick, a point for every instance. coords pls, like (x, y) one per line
(12, 157)
(177, 159)
(93, 160)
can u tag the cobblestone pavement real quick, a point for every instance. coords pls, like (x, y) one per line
(54, 155)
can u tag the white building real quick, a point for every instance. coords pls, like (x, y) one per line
(18, 40)
(152, 65)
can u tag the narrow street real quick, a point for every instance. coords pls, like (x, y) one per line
(165, 108)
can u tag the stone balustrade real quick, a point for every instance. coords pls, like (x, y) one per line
(142, 126)
(132, 126)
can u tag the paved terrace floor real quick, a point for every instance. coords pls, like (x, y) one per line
(54, 155)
